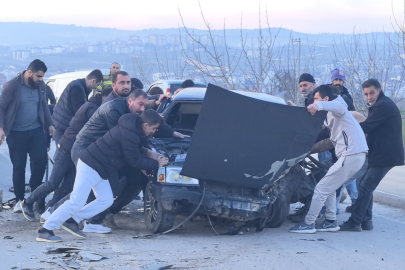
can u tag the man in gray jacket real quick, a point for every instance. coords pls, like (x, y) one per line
(351, 149)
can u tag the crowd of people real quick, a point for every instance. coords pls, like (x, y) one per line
(101, 147)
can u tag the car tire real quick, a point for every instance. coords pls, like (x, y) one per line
(157, 220)
(279, 211)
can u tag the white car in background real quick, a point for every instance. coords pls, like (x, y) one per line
(59, 82)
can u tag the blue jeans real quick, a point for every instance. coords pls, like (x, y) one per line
(324, 156)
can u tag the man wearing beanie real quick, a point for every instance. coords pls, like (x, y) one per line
(338, 78)
(307, 86)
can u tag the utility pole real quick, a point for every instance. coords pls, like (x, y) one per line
(299, 53)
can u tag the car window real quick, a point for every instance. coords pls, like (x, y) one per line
(183, 116)
(174, 87)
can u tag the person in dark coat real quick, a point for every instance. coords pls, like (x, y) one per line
(338, 78)
(73, 97)
(64, 170)
(26, 122)
(383, 128)
(123, 144)
(50, 97)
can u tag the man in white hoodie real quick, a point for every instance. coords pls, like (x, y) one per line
(351, 148)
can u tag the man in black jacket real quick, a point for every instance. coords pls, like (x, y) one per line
(383, 128)
(338, 78)
(64, 170)
(26, 121)
(123, 144)
(73, 97)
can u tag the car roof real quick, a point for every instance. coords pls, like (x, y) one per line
(195, 93)
(76, 74)
(176, 82)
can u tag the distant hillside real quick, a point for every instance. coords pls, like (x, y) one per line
(20, 35)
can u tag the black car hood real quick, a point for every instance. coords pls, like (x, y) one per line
(248, 142)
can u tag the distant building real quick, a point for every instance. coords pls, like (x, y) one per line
(145, 40)
(163, 76)
(173, 39)
(47, 50)
(58, 49)
(21, 54)
(135, 39)
(36, 50)
(94, 48)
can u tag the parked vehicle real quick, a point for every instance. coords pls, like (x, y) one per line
(170, 86)
(59, 82)
(169, 194)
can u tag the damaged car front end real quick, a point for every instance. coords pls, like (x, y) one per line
(215, 176)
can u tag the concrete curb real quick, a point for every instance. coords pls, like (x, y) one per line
(389, 199)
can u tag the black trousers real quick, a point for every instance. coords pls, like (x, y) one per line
(63, 171)
(363, 208)
(135, 182)
(33, 143)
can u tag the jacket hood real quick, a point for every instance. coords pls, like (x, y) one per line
(132, 122)
(96, 99)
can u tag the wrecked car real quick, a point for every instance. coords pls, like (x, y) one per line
(244, 160)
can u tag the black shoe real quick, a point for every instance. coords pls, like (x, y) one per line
(349, 227)
(367, 225)
(39, 206)
(349, 209)
(27, 211)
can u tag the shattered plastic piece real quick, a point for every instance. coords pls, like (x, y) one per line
(63, 250)
(89, 256)
(302, 252)
(18, 246)
(7, 237)
(155, 266)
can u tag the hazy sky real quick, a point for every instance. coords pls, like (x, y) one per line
(310, 16)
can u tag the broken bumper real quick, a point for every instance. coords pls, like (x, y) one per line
(218, 204)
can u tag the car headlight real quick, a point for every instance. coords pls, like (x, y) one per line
(171, 175)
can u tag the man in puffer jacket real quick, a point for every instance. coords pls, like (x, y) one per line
(351, 149)
(123, 144)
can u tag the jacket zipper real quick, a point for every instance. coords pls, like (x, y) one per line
(346, 139)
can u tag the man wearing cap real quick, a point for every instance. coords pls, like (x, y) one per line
(338, 78)
(307, 86)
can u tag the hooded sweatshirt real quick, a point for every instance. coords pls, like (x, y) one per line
(346, 134)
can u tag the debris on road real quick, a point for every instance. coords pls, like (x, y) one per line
(63, 250)
(18, 246)
(89, 256)
(302, 252)
(7, 237)
(157, 265)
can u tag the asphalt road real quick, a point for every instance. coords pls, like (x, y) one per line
(196, 246)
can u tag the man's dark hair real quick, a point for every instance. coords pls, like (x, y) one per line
(37, 65)
(155, 91)
(95, 74)
(151, 117)
(372, 82)
(106, 91)
(137, 83)
(187, 83)
(325, 90)
(137, 93)
(115, 76)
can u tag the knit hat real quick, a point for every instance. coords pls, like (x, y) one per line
(306, 77)
(338, 74)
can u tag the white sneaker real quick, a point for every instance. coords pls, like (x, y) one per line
(47, 214)
(17, 208)
(95, 228)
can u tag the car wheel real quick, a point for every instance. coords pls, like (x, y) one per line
(278, 212)
(157, 220)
